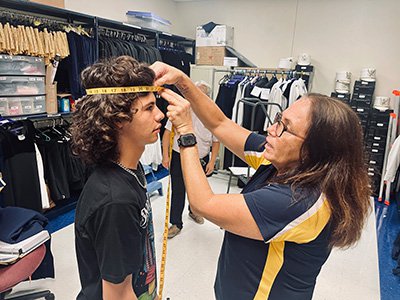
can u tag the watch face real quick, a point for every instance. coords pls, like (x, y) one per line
(187, 140)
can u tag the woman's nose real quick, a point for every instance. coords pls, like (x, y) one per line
(272, 130)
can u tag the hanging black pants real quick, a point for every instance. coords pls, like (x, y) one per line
(178, 188)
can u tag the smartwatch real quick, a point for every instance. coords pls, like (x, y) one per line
(187, 140)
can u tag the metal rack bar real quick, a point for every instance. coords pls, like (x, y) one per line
(264, 69)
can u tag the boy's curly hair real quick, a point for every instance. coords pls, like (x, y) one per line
(94, 130)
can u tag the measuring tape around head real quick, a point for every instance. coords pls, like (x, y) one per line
(166, 223)
(123, 90)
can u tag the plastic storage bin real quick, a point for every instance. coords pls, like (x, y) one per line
(27, 106)
(17, 106)
(21, 85)
(148, 20)
(14, 107)
(21, 65)
(4, 107)
(39, 105)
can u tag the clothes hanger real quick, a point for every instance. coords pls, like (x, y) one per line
(56, 130)
(42, 135)
(224, 79)
(63, 130)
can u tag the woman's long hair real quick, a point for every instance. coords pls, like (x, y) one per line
(94, 128)
(333, 160)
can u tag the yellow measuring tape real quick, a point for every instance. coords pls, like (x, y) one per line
(166, 223)
(123, 90)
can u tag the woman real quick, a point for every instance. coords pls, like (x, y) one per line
(310, 192)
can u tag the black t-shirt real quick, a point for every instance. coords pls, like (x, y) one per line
(114, 234)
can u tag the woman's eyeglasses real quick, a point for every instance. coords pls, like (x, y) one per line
(281, 126)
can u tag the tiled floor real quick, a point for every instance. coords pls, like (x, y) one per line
(192, 258)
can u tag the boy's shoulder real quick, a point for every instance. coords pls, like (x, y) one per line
(105, 186)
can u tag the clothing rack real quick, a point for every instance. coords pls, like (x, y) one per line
(49, 122)
(123, 35)
(263, 105)
(278, 72)
(263, 71)
(39, 117)
(177, 41)
(15, 18)
(254, 105)
(125, 31)
(171, 45)
(45, 11)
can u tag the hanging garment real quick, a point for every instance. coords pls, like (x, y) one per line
(275, 96)
(26, 40)
(261, 91)
(297, 90)
(113, 46)
(237, 110)
(55, 170)
(64, 172)
(20, 170)
(178, 59)
(83, 54)
(227, 95)
(42, 183)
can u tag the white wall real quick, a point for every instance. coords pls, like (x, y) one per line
(116, 9)
(339, 35)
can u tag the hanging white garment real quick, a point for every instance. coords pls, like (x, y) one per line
(42, 183)
(152, 155)
(239, 95)
(240, 105)
(275, 96)
(297, 90)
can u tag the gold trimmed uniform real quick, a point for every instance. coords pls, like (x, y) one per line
(295, 226)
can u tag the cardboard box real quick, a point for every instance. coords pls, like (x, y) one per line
(55, 3)
(49, 71)
(210, 56)
(221, 35)
(51, 98)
